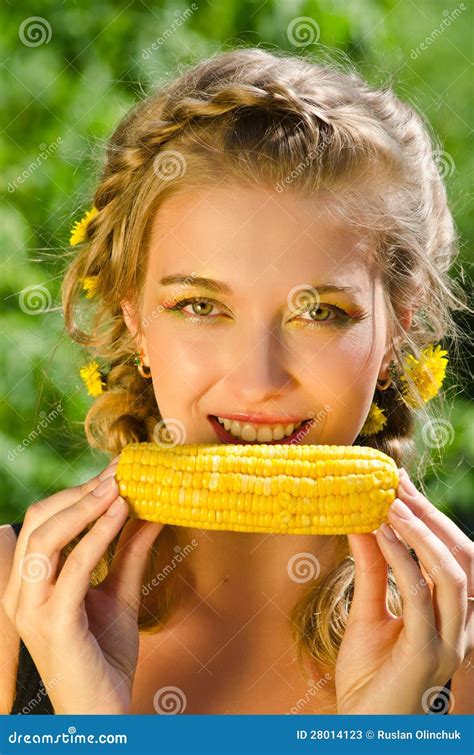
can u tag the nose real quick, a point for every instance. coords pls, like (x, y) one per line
(259, 370)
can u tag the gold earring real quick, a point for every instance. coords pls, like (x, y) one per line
(385, 384)
(142, 368)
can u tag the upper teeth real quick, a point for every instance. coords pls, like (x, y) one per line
(262, 433)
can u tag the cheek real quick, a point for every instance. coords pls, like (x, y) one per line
(343, 378)
(178, 368)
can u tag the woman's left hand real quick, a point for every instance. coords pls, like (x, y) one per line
(397, 665)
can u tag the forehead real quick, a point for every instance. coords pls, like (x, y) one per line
(257, 235)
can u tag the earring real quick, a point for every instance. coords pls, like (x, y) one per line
(386, 383)
(142, 368)
(376, 419)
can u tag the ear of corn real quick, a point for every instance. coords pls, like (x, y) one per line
(294, 489)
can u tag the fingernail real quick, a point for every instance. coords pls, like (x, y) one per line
(388, 532)
(400, 509)
(106, 486)
(406, 483)
(108, 471)
(116, 507)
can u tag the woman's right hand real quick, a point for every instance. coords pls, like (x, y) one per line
(83, 640)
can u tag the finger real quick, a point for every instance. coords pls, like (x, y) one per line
(418, 613)
(47, 540)
(74, 581)
(124, 578)
(458, 543)
(450, 581)
(369, 601)
(35, 516)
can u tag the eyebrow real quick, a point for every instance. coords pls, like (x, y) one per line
(222, 288)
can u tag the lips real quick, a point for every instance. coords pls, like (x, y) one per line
(225, 437)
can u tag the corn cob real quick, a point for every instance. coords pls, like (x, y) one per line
(294, 489)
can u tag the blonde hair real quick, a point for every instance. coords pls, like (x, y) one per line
(252, 117)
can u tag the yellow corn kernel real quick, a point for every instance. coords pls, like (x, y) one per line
(283, 489)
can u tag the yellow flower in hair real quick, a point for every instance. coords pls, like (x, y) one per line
(375, 421)
(89, 284)
(91, 376)
(78, 231)
(424, 376)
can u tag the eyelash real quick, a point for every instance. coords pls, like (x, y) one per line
(341, 315)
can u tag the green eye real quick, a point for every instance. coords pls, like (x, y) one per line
(316, 313)
(202, 307)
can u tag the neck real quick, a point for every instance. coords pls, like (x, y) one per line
(239, 571)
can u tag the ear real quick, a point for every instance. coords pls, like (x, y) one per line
(131, 320)
(405, 318)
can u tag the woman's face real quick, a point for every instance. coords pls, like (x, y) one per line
(272, 340)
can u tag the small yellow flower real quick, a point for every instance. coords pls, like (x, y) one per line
(78, 231)
(424, 376)
(375, 421)
(89, 284)
(91, 377)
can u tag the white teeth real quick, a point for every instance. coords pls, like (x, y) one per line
(260, 433)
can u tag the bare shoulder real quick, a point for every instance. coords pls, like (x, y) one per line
(9, 638)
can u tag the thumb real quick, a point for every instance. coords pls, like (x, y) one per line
(370, 582)
(124, 578)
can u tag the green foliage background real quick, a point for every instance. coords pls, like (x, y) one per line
(72, 90)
